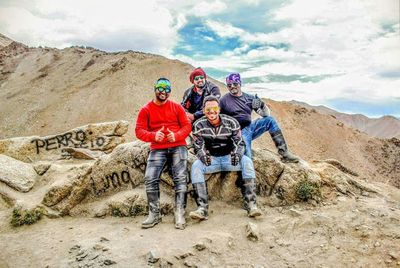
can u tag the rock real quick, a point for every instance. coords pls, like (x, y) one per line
(252, 232)
(183, 255)
(41, 167)
(109, 262)
(16, 174)
(103, 136)
(295, 213)
(81, 153)
(164, 263)
(394, 255)
(190, 263)
(200, 246)
(152, 256)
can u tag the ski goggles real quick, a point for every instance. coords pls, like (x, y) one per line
(163, 85)
(210, 109)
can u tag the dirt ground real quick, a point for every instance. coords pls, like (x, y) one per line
(349, 232)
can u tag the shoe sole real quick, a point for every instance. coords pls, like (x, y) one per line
(197, 217)
(150, 225)
(255, 214)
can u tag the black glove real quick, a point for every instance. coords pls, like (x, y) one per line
(257, 103)
(235, 159)
(206, 159)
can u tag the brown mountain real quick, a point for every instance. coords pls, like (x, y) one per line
(384, 127)
(45, 90)
(4, 41)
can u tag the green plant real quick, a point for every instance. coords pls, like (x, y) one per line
(116, 212)
(25, 217)
(137, 210)
(306, 190)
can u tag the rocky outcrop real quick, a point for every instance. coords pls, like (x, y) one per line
(112, 184)
(96, 137)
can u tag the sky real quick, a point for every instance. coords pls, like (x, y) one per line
(338, 53)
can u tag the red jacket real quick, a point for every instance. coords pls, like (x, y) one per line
(152, 118)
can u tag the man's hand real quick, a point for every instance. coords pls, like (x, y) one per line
(206, 159)
(257, 103)
(235, 159)
(190, 116)
(160, 135)
(170, 136)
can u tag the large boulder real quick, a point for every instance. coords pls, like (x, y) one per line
(97, 137)
(16, 174)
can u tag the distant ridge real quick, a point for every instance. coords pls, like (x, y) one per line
(384, 127)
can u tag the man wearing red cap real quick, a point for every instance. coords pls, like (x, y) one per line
(193, 97)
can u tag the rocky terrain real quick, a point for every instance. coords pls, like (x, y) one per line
(83, 191)
(71, 176)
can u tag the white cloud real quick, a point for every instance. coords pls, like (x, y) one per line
(62, 23)
(204, 8)
(345, 40)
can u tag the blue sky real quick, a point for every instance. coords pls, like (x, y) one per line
(339, 53)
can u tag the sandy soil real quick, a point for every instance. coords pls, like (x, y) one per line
(349, 232)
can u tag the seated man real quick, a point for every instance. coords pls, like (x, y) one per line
(219, 147)
(193, 97)
(239, 105)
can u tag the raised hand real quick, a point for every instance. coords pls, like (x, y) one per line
(160, 135)
(170, 136)
(257, 103)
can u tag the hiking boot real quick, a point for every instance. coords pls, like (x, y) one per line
(180, 204)
(280, 143)
(249, 197)
(154, 217)
(201, 198)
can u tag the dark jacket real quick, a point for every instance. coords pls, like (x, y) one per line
(218, 141)
(193, 107)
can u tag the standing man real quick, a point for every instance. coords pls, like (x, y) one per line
(165, 125)
(219, 147)
(193, 97)
(239, 105)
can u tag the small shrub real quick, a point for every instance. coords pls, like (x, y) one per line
(25, 217)
(306, 190)
(116, 212)
(137, 210)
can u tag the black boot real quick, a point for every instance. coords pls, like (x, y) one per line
(154, 217)
(201, 198)
(180, 205)
(280, 143)
(249, 197)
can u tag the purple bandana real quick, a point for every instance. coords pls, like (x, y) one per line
(233, 78)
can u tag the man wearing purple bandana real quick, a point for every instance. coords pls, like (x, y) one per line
(239, 105)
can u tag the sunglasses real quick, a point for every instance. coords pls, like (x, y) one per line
(211, 109)
(198, 78)
(162, 89)
(233, 84)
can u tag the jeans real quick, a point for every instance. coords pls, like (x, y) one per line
(177, 157)
(256, 129)
(222, 163)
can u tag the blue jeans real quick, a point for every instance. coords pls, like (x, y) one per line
(256, 129)
(222, 163)
(177, 157)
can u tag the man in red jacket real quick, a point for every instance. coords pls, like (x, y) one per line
(165, 125)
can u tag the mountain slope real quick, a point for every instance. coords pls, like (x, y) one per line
(383, 127)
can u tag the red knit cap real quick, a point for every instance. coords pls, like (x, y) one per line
(196, 72)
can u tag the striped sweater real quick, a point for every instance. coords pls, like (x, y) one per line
(218, 141)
